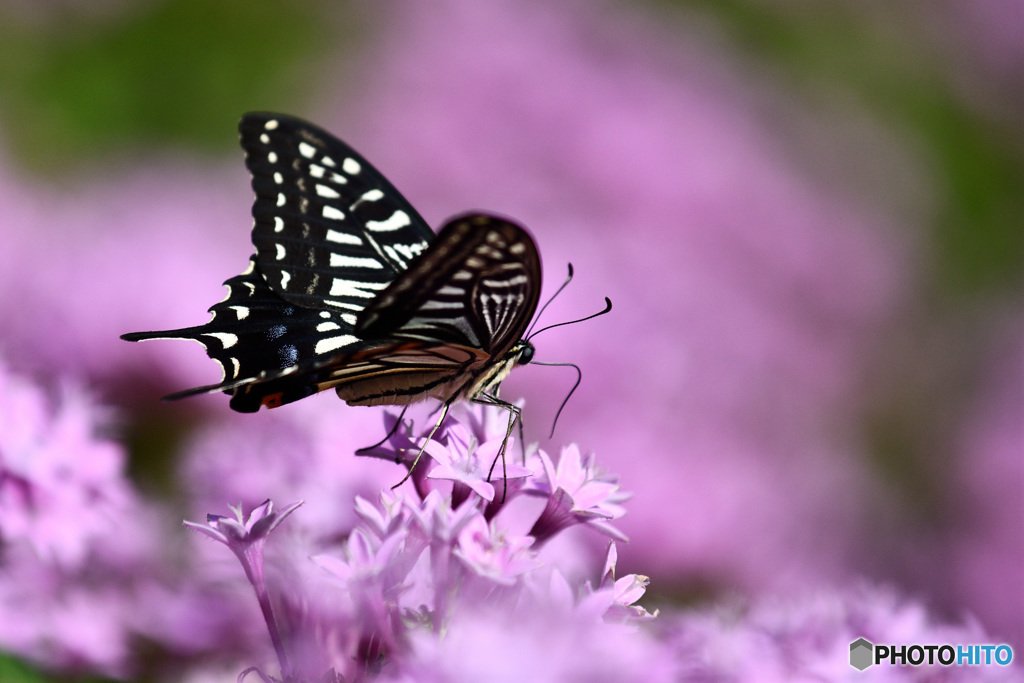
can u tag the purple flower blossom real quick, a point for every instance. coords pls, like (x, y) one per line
(415, 565)
(245, 537)
(471, 464)
(79, 549)
(492, 554)
(577, 494)
(60, 485)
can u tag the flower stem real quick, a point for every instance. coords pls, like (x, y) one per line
(254, 572)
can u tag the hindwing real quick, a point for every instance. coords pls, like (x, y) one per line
(476, 286)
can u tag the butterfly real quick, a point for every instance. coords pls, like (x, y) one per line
(350, 289)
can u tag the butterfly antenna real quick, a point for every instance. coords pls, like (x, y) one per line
(558, 291)
(579, 378)
(606, 309)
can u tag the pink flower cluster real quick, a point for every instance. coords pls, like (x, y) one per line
(423, 563)
(67, 518)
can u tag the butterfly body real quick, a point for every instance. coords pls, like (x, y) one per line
(350, 290)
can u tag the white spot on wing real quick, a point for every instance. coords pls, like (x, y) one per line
(226, 339)
(285, 277)
(351, 166)
(342, 237)
(327, 327)
(235, 367)
(403, 252)
(280, 199)
(342, 287)
(280, 251)
(397, 220)
(278, 224)
(334, 343)
(307, 150)
(343, 261)
(272, 157)
(316, 171)
(271, 124)
(241, 311)
(333, 213)
(278, 178)
(326, 191)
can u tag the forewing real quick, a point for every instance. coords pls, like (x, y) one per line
(475, 286)
(330, 231)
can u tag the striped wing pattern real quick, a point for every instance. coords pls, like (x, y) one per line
(329, 229)
(349, 289)
(477, 286)
(452, 321)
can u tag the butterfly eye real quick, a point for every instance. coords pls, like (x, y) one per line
(526, 353)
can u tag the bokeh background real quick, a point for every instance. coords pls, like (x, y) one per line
(808, 215)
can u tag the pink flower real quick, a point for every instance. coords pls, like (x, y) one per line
(471, 464)
(430, 564)
(60, 485)
(578, 493)
(245, 536)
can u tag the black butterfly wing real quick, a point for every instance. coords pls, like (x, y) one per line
(331, 232)
(329, 229)
(446, 327)
(477, 286)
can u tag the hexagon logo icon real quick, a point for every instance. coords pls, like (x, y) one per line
(860, 654)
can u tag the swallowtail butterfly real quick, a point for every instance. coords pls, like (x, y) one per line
(350, 289)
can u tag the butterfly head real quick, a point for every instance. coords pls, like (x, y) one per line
(521, 353)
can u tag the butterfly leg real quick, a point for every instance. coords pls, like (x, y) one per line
(515, 417)
(416, 460)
